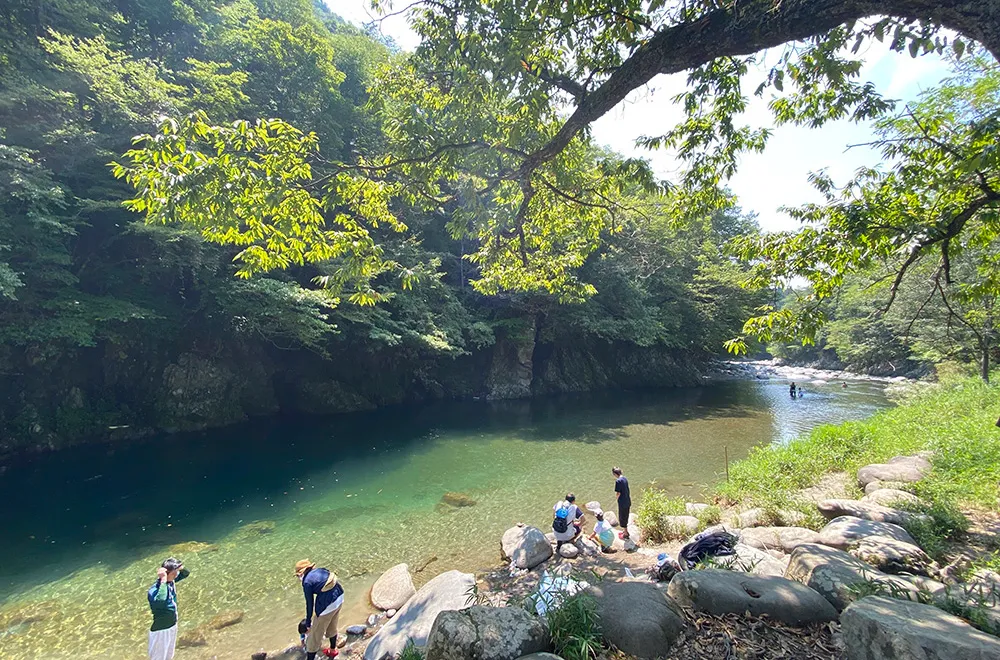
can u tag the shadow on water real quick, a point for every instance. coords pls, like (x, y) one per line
(112, 501)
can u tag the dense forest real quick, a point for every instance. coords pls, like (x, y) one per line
(114, 327)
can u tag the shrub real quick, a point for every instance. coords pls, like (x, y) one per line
(411, 652)
(576, 628)
(651, 516)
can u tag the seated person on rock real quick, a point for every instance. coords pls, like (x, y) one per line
(602, 532)
(568, 522)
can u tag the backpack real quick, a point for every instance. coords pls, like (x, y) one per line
(561, 522)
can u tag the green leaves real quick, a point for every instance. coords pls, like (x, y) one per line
(251, 186)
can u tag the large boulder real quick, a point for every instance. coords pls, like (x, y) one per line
(845, 531)
(393, 588)
(682, 525)
(876, 628)
(785, 539)
(486, 633)
(868, 511)
(891, 556)
(725, 592)
(836, 575)
(635, 618)
(905, 469)
(448, 591)
(611, 518)
(525, 547)
(891, 497)
(764, 518)
(747, 559)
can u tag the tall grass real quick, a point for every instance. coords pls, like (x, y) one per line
(955, 420)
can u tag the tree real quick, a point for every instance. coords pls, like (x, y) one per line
(938, 200)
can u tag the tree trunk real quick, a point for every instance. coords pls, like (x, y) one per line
(984, 364)
(749, 26)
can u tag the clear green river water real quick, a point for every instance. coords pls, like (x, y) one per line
(82, 531)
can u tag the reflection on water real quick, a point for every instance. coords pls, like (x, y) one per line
(83, 530)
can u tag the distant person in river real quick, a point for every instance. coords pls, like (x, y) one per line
(624, 497)
(162, 598)
(568, 521)
(791, 390)
(324, 598)
(603, 532)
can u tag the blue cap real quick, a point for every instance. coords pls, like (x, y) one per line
(661, 556)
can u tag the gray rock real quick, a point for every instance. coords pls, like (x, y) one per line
(785, 539)
(890, 496)
(569, 551)
(724, 592)
(357, 629)
(833, 573)
(635, 618)
(751, 560)
(844, 531)
(372, 620)
(225, 619)
(891, 556)
(389, 613)
(694, 508)
(540, 656)
(486, 633)
(886, 485)
(611, 518)
(292, 652)
(525, 547)
(393, 588)
(682, 524)
(868, 511)
(876, 628)
(906, 469)
(761, 518)
(448, 591)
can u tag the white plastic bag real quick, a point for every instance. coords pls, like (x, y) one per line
(552, 590)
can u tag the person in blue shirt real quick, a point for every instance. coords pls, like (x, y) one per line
(162, 598)
(324, 598)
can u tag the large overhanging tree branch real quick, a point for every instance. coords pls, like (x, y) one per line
(490, 119)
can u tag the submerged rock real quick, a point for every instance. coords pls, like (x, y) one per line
(393, 588)
(257, 528)
(723, 592)
(876, 628)
(457, 500)
(225, 619)
(486, 633)
(191, 547)
(193, 637)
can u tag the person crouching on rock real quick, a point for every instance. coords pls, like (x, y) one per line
(568, 522)
(163, 604)
(324, 597)
(603, 532)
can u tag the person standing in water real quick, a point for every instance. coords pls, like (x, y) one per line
(624, 497)
(162, 598)
(324, 598)
(791, 390)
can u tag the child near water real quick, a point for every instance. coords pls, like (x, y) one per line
(603, 532)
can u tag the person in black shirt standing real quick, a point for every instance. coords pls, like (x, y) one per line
(624, 498)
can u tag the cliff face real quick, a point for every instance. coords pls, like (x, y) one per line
(117, 391)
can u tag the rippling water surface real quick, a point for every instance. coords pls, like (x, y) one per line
(84, 530)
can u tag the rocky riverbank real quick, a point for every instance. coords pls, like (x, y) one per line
(859, 587)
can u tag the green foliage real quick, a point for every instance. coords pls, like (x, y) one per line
(411, 652)
(954, 421)
(575, 628)
(651, 516)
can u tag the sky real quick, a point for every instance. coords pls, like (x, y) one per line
(766, 181)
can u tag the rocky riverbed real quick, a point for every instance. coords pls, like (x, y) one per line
(858, 588)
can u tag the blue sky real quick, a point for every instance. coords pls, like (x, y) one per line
(779, 176)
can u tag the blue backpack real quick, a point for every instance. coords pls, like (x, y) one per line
(561, 522)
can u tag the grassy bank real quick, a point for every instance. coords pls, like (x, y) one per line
(955, 420)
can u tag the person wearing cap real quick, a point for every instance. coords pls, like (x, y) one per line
(162, 598)
(324, 598)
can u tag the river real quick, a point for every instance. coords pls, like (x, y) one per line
(83, 530)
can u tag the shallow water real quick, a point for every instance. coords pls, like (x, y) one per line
(84, 530)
